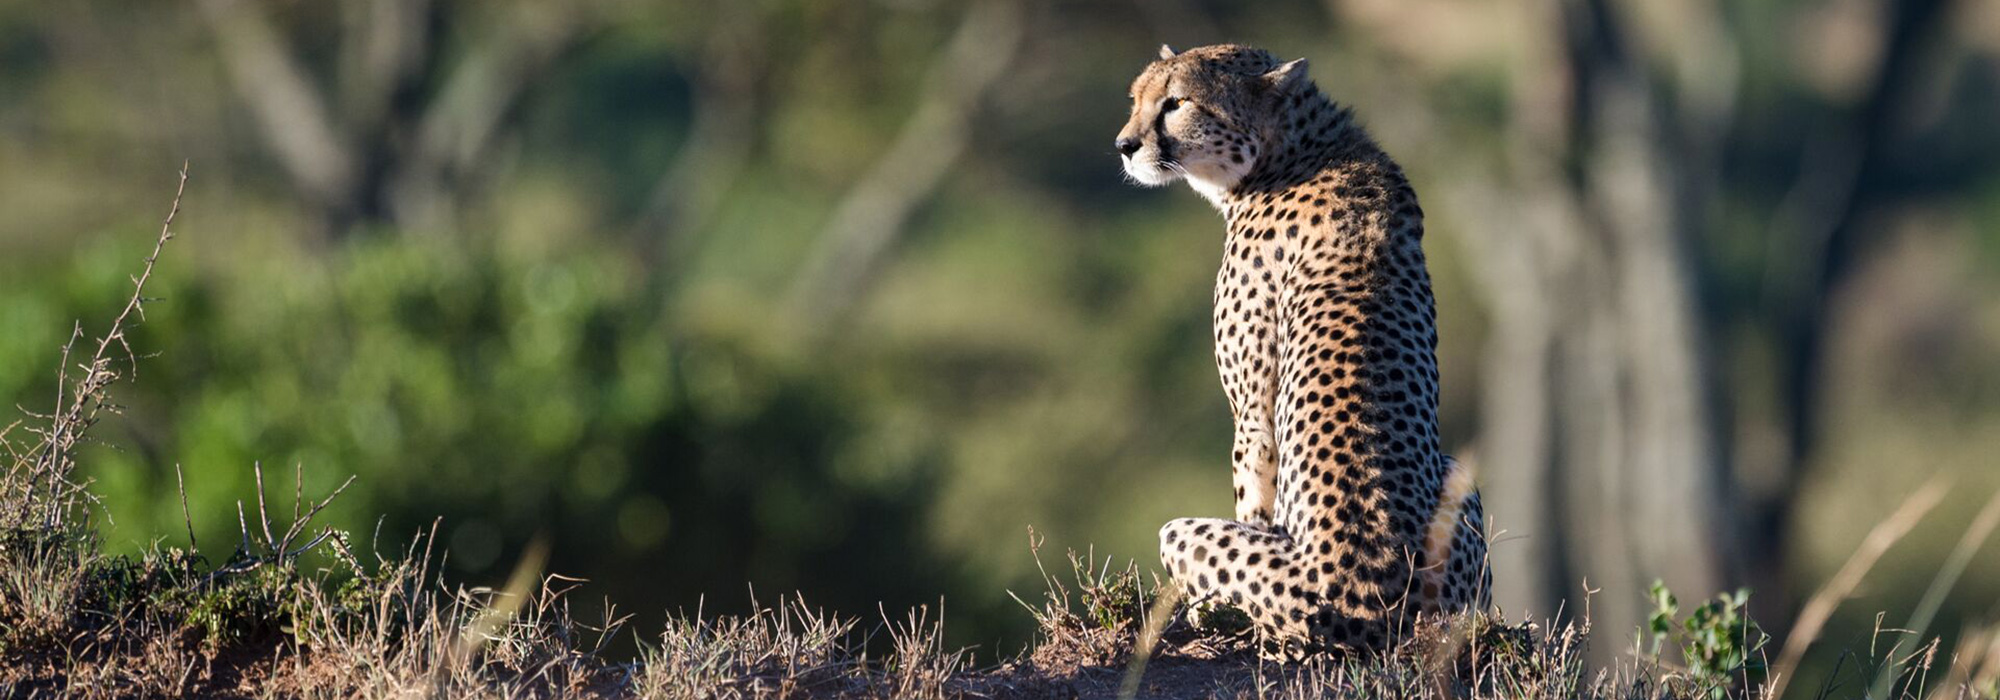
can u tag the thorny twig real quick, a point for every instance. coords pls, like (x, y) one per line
(47, 496)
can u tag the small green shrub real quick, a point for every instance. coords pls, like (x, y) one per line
(1719, 642)
(1110, 598)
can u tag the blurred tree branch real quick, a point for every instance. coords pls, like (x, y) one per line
(732, 71)
(865, 225)
(292, 114)
(385, 154)
(458, 131)
(387, 55)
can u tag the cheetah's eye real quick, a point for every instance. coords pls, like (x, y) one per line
(1170, 104)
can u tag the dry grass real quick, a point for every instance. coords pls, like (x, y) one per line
(294, 612)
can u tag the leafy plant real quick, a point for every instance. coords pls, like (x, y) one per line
(1718, 640)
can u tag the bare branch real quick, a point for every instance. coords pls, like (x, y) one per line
(187, 517)
(299, 524)
(298, 488)
(262, 515)
(281, 550)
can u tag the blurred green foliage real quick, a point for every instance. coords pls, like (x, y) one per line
(507, 392)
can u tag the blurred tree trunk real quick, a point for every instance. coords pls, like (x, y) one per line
(1523, 251)
(1598, 439)
(1604, 443)
(1664, 496)
(368, 146)
(1815, 241)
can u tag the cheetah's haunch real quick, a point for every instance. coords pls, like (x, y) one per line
(1350, 521)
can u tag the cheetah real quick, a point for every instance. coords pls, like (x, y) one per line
(1350, 521)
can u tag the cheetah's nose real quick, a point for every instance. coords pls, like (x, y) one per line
(1127, 145)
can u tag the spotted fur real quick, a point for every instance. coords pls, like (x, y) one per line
(1350, 521)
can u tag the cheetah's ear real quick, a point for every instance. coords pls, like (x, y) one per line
(1288, 77)
(1167, 52)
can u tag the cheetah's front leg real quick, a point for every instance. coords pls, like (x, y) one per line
(1253, 470)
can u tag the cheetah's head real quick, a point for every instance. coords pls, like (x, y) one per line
(1206, 115)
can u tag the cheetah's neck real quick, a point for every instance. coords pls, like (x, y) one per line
(1313, 134)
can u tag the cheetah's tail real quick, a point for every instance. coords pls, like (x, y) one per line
(1458, 487)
